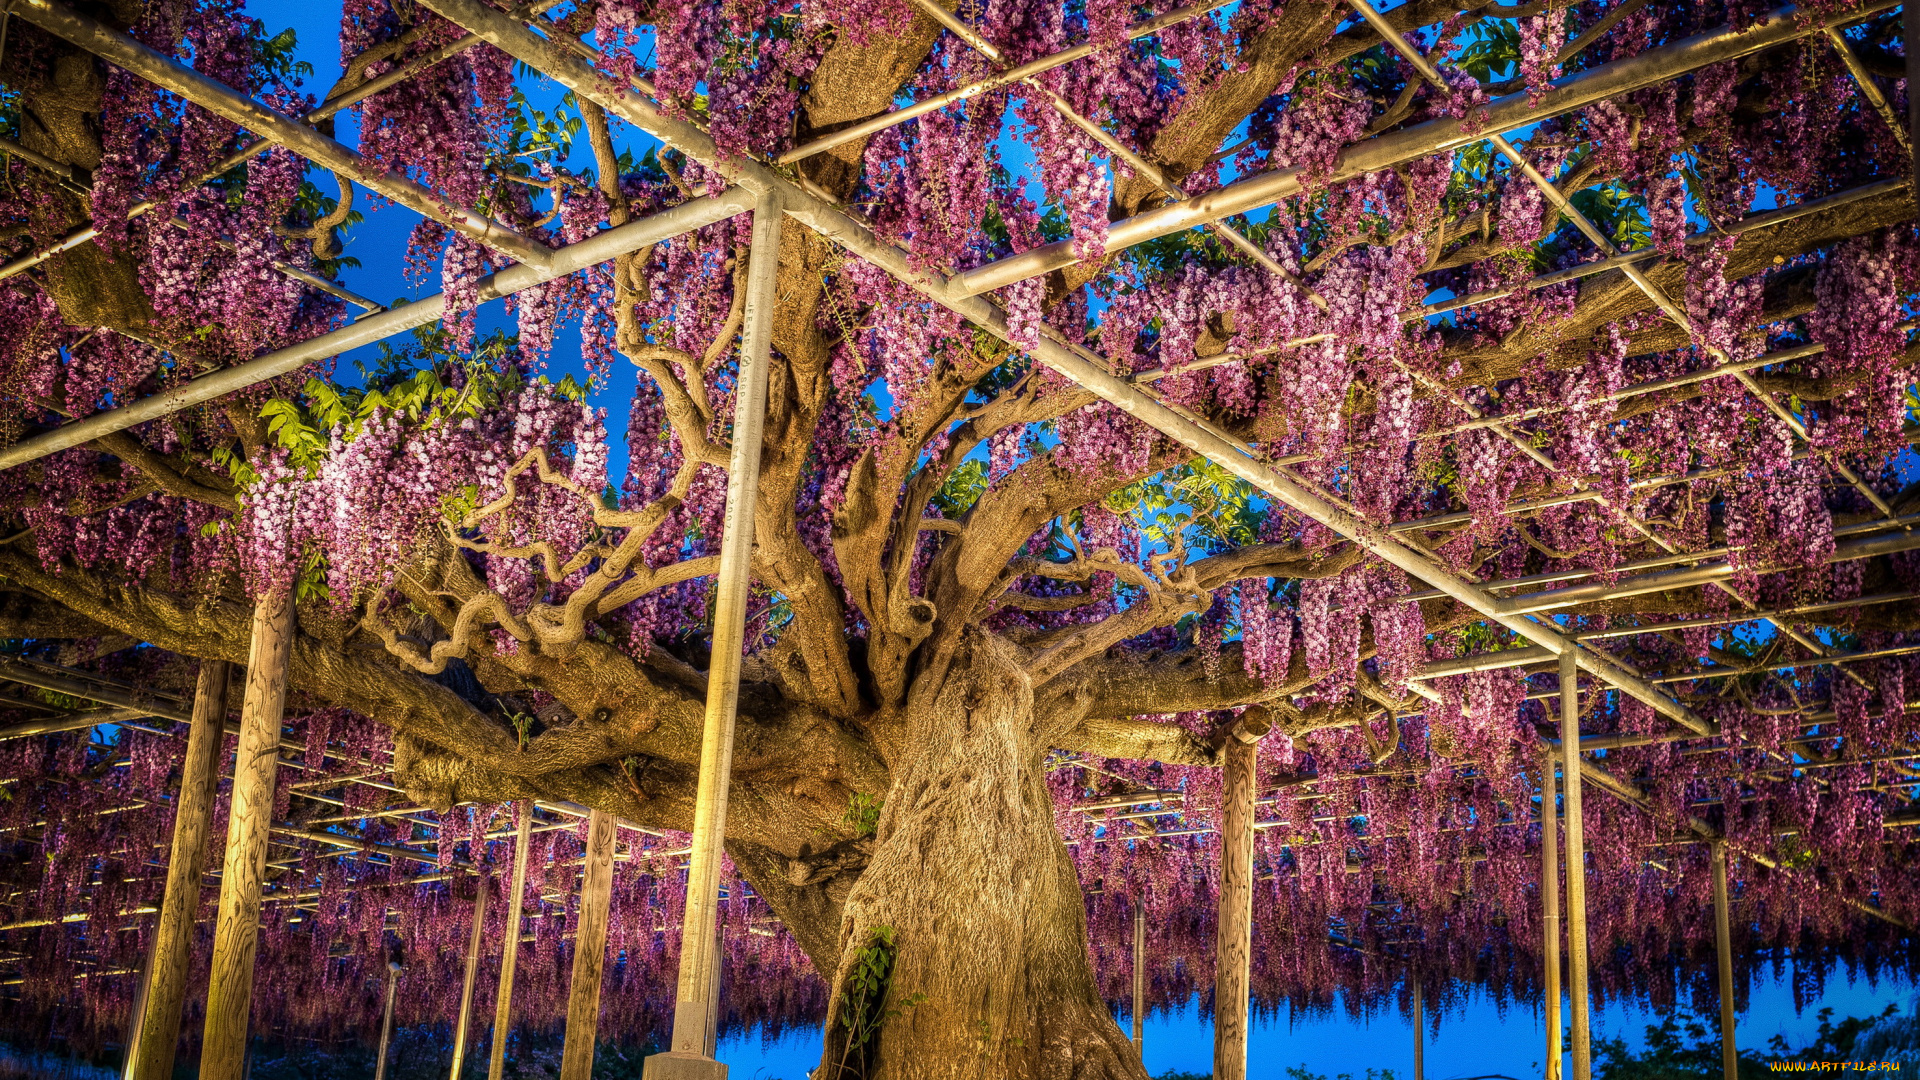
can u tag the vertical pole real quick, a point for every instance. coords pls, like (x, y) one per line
(1419, 1031)
(1139, 975)
(510, 948)
(1233, 945)
(158, 1032)
(386, 1022)
(1550, 914)
(698, 956)
(136, 1016)
(589, 950)
(1723, 948)
(1576, 865)
(473, 968)
(223, 1048)
(713, 991)
(1911, 33)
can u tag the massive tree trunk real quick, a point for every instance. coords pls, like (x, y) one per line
(990, 972)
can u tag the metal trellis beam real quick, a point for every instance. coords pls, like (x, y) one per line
(1228, 235)
(1627, 793)
(600, 247)
(1230, 452)
(333, 105)
(1508, 113)
(1654, 293)
(169, 74)
(1027, 70)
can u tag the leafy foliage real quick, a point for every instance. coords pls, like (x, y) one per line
(1492, 49)
(863, 813)
(1682, 1047)
(863, 1000)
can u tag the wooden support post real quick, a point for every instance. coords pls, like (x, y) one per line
(691, 1056)
(223, 1047)
(158, 1030)
(386, 1022)
(1139, 975)
(1723, 950)
(1576, 867)
(1419, 1031)
(1550, 914)
(510, 948)
(589, 950)
(1233, 943)
(474, 941)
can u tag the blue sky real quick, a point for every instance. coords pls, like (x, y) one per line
(1477, 1039)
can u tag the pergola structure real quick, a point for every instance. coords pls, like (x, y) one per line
(1543, 622)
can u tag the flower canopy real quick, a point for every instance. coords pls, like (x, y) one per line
(1343, 363)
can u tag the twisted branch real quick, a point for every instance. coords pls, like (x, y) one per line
(615, 583)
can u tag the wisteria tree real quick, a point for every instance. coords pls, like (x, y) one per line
(981, 593)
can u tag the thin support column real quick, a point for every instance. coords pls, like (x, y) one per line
(236, 935)
(137, 1016)
(1139, 975)
(1233, 947)
(690, 1057)
(1550, 915)
(474, 941)
(713, 991)
(1419, 1031)
(386, 1021)
(1723, 950)
(1576, 866)
(158, 1032)
(589, 950)
(510, 947)
(1911, 32)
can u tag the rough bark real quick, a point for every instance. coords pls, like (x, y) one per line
(985, 909)
(172, 947)
(249, 819)
(945, 720)
(59, 118)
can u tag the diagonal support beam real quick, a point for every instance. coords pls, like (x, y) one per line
(1654, 293)
(172, 942)
(598, 248)
(1868, 88)
(1153, 173)
(339, 102)
(47, 677)
(1627, 793)
(1225, 449)
(991, 83)
(1703, 574)
(1509, 113)
(476, 935)
(169, 74)
(1765, 219)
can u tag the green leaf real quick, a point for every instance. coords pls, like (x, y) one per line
(963, 488)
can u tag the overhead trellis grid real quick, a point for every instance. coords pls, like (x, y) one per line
(1117, 500)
